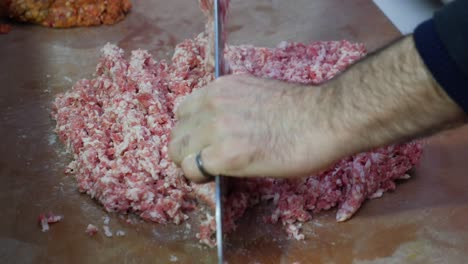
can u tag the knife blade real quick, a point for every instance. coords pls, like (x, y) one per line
(219, 67)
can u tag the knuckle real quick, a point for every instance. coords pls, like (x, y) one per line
(235, 156)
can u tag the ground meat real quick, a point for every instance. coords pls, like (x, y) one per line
(346, 185)
(46, 219)
(117, 127)
(91, 230)
(68, 13)
(120, 233)
(205, 193)
(107, 231)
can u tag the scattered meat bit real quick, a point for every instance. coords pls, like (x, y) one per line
(120, 233)
(117, 125)
(205, 193)
(5, 28)
(173, 258)
(46, 219)
(91, 230)
(54, 218)
(207, 231)
(44, 223)
(65, 13)
(107, 231)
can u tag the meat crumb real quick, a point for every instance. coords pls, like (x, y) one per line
(120, 233)
(91, 230)
(44, 224)
(107, 231)
(49, 218)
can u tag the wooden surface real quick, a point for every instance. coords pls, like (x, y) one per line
(422, 222)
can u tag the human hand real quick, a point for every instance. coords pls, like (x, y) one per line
(246, 126)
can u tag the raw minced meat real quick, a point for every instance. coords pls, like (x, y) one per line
(107, 231)
(117, 127)
(46, 219)
(91, 230)
(120, 233)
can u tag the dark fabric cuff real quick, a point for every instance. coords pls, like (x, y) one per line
(443, 68)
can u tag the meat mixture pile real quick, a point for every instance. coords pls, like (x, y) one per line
(68, 13)
(117, 127)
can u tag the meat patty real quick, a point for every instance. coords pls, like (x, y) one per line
(68, 13)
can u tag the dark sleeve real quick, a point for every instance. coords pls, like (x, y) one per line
(442, 43)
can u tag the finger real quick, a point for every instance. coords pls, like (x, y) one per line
(190, 136)
(220, 159)
(191, 171)
(191, 104)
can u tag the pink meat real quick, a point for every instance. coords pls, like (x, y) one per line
(91, 230)
(49, 218)
(117, 126)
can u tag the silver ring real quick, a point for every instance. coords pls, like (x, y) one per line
(199, 161)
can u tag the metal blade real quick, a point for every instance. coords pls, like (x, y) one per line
(219, 39)
(219, 219)
(219, 66)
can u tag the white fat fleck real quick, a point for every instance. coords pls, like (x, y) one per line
(120, 233)
(107, 231)
(317, 224)
(132, 194)
(44, 225)
(145, 86)
(377, 194)
(111, 50)
(106, 179)
(276, 198)
(154, 214)
(173, 258)
(106, 220)
(164, 163)
(91, 228)
(149, 196)
(404, 177)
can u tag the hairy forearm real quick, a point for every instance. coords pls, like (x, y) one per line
(387, 98)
